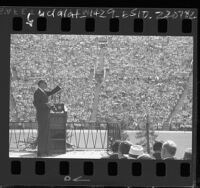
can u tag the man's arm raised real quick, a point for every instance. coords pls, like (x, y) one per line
(52, 92)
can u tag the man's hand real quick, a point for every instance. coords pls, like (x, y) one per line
(49, 105)
(58, 88)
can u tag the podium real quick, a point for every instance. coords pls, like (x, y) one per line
(57, 133)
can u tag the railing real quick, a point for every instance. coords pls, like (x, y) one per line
(23, 136)
(80, 135)
(87, 135)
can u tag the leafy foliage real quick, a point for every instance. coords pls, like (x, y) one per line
(146, 137)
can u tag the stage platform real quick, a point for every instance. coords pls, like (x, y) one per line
(74, 154)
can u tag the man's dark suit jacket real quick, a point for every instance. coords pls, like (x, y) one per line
(157, 155)
(41, 100)
(43, 112)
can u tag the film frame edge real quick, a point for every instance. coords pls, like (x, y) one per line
(78, 179)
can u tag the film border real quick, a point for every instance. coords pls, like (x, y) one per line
(100, 176)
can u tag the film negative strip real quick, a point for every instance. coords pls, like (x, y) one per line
(98, 96)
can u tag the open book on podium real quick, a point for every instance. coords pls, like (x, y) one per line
(57, 129)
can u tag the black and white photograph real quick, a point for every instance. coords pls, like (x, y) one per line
(101, 97)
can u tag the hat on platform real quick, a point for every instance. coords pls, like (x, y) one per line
(135, 151)
(145, 156)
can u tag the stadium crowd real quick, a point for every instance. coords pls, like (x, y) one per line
(161, 151)
(145, 72)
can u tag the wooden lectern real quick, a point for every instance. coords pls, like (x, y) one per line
(57, 133)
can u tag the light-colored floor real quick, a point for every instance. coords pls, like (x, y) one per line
(75, 154)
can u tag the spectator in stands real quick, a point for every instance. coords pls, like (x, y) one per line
(135, 151)
(145, 156)
(114, 150)
(168, 150)
(157, 149)
(124, 148)
(188, 154)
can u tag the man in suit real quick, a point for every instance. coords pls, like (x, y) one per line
(157, 146)
(168, 150)
(42, 114)
(114, 149)
(188, 154)
(124, 148)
